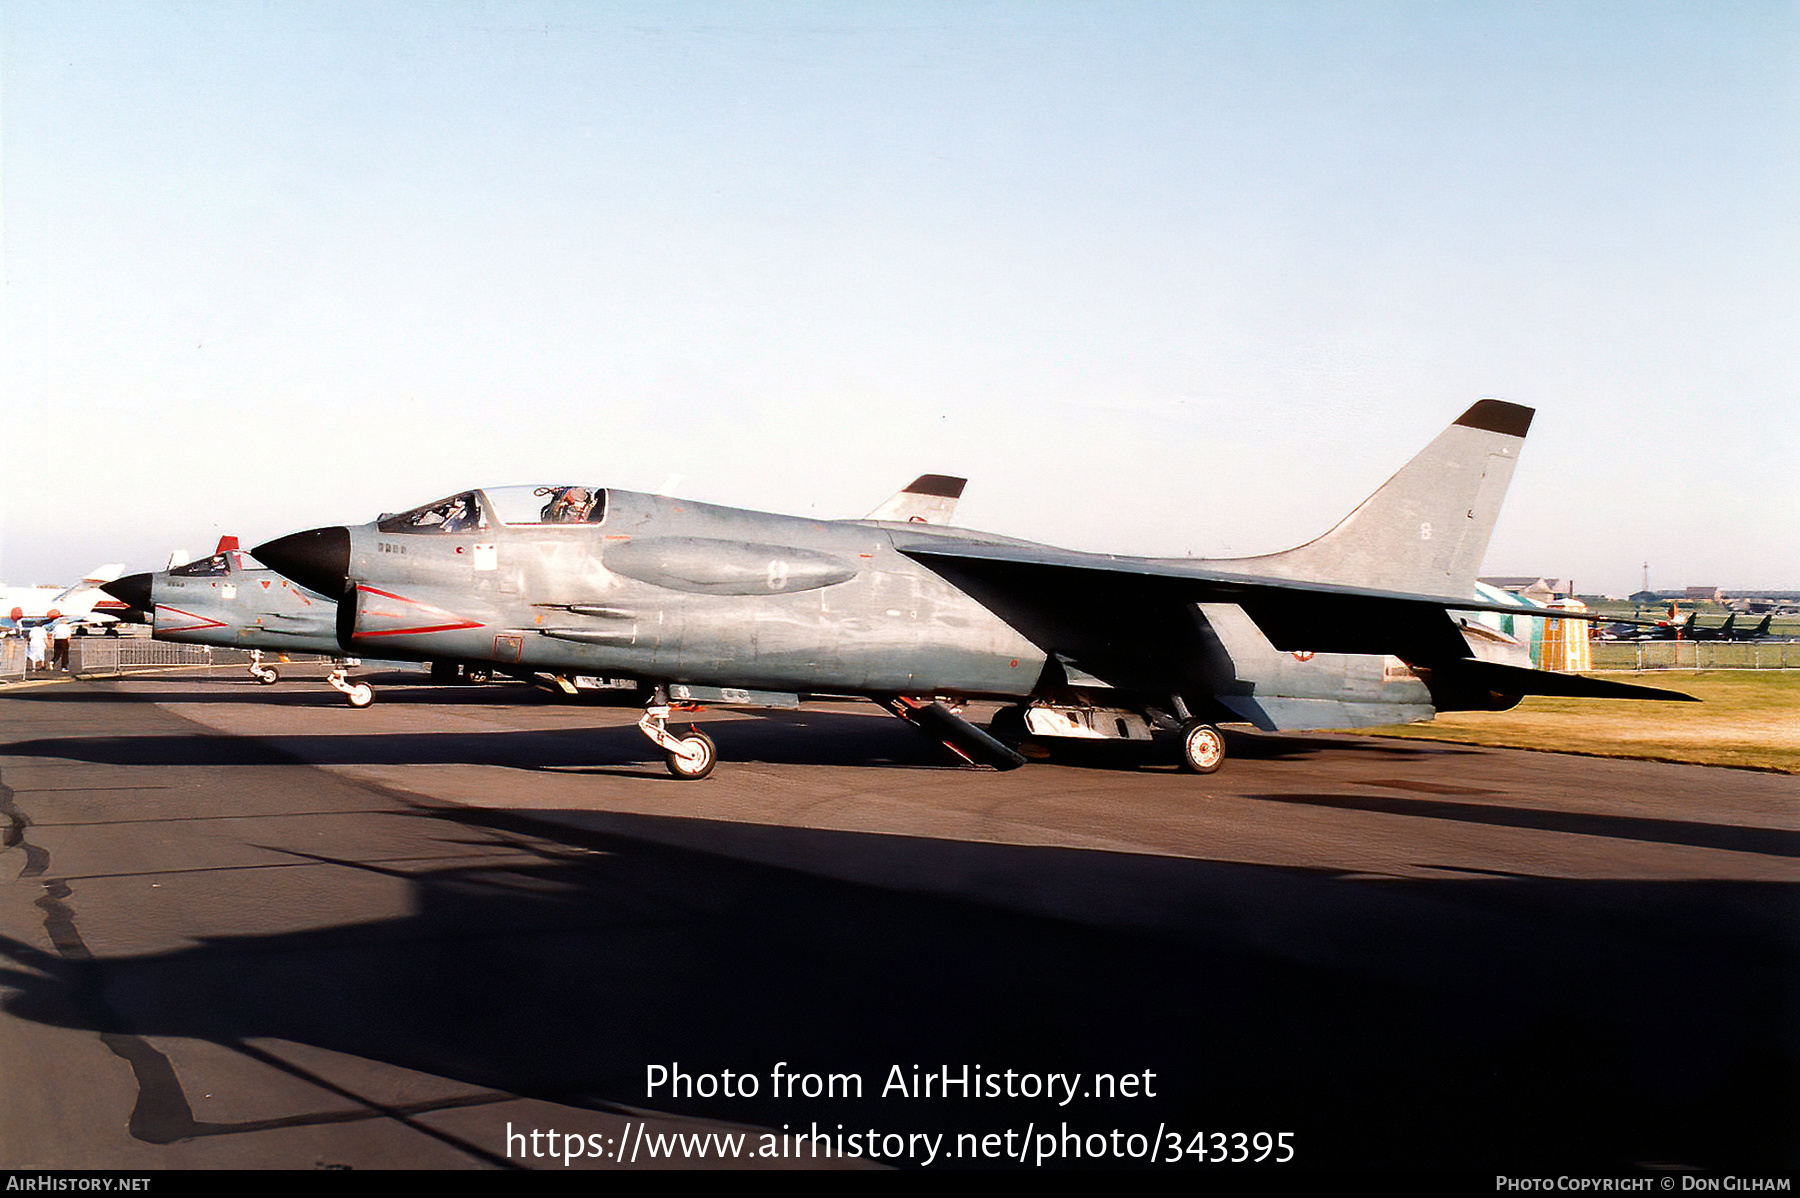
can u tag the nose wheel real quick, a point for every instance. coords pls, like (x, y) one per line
(359, 694)
(694, 756)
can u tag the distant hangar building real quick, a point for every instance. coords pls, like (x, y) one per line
(1538, 590)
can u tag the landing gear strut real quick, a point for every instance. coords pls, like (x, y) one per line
(691, 756)
(266, 675)
(360, 694)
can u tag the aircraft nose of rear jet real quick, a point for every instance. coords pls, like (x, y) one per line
(318, 558)
(133, 590)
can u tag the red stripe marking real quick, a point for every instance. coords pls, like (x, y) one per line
(420, 630)
(203, 624)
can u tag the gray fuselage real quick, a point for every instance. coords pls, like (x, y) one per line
(670, 590)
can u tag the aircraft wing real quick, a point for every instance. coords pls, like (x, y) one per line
(1295, 616)
(1120, 616)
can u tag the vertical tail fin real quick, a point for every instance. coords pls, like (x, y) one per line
(927, 499)
(1426, 529)
(92, 579)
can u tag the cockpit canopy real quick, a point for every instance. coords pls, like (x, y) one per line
(473, 511)
(209, 567)
(548, 505)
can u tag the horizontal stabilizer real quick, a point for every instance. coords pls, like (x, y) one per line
(1517, 680)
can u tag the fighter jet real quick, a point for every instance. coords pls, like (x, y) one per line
(713, 605)
(230, 601)
(1760, 632)
(1700, 632)
(1728, 631)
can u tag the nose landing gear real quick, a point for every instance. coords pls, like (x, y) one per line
(690, 756)
(360, 694)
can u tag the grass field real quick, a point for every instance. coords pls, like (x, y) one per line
(1746, 718)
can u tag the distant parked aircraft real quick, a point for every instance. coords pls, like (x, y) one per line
(83, 603)
(1760, 632)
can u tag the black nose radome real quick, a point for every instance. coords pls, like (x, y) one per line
(133, 591)
(318, 559)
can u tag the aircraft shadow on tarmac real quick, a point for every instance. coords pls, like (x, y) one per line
(1441, 1023)
(1772, 842)
(808, 737)
(861, 741)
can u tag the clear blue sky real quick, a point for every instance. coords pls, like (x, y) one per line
(1158, 277)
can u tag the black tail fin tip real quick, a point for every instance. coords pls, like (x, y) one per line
(1498, 416)
(941, 485)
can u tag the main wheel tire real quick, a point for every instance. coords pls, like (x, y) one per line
(267, 677)
(1202, 748)
(696, 757)
(361, 695)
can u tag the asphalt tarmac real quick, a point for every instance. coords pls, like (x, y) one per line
(250, 926)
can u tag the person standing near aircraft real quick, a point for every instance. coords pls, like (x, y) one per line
(59, 645)
(36, 641)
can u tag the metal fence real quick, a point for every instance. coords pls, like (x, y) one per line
(1697, 655)
(108, 656)
(12, 658)
(114, 655)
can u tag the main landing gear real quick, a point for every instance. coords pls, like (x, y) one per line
(1202, 748)
(1031, 727)
(690, 756)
